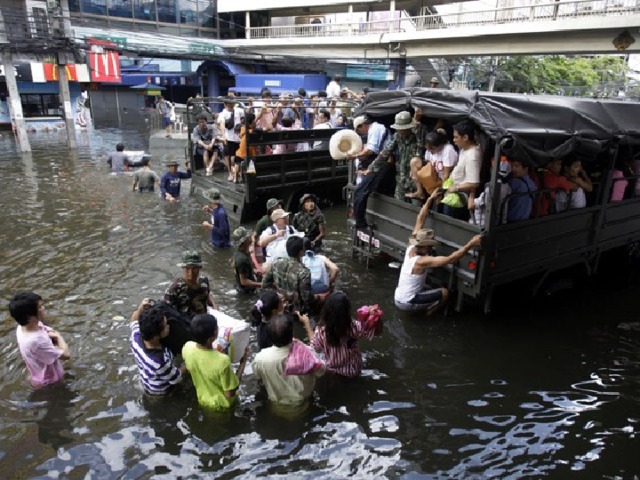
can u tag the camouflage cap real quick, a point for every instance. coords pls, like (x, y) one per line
(241, 235)
(272, 202)
(191, 257)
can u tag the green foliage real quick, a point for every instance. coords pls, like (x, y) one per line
(557, 74)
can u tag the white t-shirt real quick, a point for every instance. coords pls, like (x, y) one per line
(445, 158)
(333, 89)
(230, 135)
(468, 168)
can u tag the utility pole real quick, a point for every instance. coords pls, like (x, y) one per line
(493, 67)
(15, 105)
(63, 81)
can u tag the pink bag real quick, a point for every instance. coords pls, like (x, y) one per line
(369, 315)
(301, 360)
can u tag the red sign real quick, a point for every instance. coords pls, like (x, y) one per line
(51, 72)
(105, 67)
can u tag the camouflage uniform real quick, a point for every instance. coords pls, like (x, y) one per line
(185, 299)
(293, 280)
(403, 150)
(309, 223)
(264, 223)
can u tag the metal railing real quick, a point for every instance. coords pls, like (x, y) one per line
(32, 33)
(536, 12)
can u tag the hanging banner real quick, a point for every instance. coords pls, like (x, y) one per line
(105, 67)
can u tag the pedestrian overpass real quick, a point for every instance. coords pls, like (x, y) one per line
(549, 27)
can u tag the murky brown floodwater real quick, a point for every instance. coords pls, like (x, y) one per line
(551, 391)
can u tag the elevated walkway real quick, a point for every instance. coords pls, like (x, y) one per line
(544, 27)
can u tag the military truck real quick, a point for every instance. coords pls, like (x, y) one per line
(534, 130)
(285, 176)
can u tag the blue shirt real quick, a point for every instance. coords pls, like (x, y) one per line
(519, 208)
(220, 233)
(170, 183)
(376, 140)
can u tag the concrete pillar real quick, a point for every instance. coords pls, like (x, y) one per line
(65, 96)
(213, 87)
(15, 105)
(402, 72)
(392, 15)
(247, 25)
(350, 15)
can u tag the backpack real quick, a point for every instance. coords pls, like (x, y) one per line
(179, 327)
(273, 229)
(229, 122)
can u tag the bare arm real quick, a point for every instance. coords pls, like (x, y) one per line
(434, 262)
(333, 270)
(424, 211)
(306, 323)
(135, 316)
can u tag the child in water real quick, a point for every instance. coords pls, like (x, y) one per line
(216, 383)
(337, 336)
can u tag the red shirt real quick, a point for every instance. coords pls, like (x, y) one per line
(551, 182)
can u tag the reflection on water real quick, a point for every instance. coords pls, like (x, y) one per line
(538, 393)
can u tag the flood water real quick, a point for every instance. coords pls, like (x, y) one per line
(534, 392)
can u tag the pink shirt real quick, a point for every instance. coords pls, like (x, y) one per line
(41, 356)
(346, 358)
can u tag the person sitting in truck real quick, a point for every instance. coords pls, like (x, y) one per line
(551, 181)
(519, 205)
(465, 177)
(481, 205)
(287, 125)
(574, 172)
(207, 144)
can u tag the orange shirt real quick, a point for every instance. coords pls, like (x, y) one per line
(242, 150)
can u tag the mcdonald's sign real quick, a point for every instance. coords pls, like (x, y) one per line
(105, 67)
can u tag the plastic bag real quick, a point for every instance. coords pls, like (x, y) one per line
(369, 315)
(301, 360)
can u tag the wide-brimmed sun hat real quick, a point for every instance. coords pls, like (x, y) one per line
(191, 258)
(272, 202)
(241, 235)
(171, 163)
(213, 195)
(404, 121)
(423, 238)
(344, 143)
(434, 80)
(306, 196)
(277, 214)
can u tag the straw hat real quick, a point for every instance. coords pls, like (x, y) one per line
(423, 238)
(344, 143)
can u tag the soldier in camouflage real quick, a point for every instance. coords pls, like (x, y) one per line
(190, 293)
(291, 278)
(310, 220)
(403, 148)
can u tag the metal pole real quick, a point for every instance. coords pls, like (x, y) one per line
(66, 101)
(17, 118)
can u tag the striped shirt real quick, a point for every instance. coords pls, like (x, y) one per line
(345, 359)
(158, 374)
